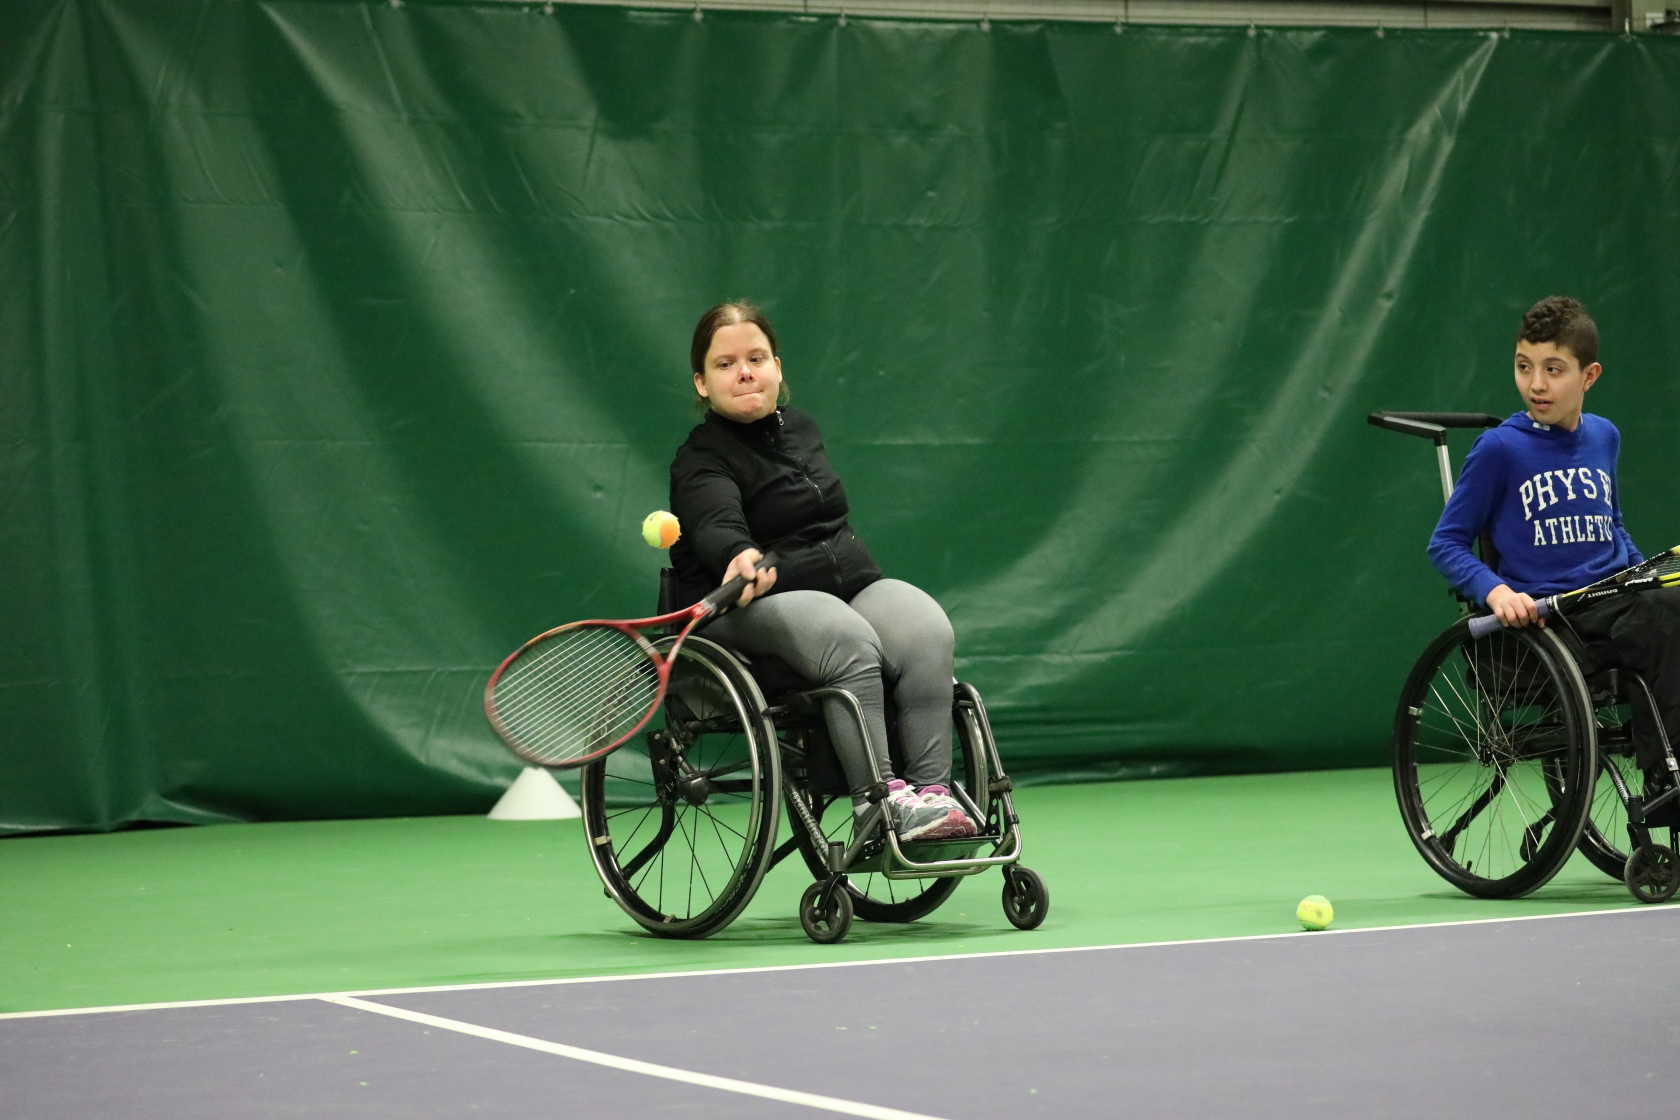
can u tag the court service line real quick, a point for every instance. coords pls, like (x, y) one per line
(633, 1065)
(556, 981)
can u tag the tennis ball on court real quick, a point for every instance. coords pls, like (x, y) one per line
(660, 529)
(1315, 912)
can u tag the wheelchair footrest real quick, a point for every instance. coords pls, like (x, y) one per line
(923, 851)
(958, 848)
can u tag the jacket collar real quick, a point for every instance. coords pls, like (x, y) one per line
(761, 429)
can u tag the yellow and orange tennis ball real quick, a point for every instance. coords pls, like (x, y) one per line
(660, 529)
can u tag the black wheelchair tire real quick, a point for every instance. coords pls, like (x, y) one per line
(1526, 787)
(827, 925)
(1026, 900)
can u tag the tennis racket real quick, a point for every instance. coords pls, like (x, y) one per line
(1661, 570)
(574, 693)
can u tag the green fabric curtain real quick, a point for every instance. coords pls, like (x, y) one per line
(344, 346)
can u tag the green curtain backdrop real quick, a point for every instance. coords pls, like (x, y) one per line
(343, 346)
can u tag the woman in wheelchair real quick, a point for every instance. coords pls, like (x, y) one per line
(754, 473)
(1541, 490)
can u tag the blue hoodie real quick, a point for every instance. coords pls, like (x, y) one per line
(1549, 500)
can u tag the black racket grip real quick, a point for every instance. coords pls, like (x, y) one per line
(723, 599)
(1484, 624)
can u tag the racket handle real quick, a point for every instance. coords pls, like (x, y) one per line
(1484, 624)
(721, 600)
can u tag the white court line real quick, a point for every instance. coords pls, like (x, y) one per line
(872, 962)
(633, 1065)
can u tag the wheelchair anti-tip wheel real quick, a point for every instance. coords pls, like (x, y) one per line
(825, 924)
(1652, 873)
(1026, 900)
(1495, 758)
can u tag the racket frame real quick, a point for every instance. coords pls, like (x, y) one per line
(691, 618)
(1622, 582)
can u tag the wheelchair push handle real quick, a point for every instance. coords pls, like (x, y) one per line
(1484, 624)
(1431, 425)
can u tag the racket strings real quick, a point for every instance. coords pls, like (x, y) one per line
(560, 724)
(1665, 567)
(576, 693)
(592, 664)
(602, 680)
(1659, 571)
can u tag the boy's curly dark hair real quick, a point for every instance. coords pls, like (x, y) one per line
(1563, 320)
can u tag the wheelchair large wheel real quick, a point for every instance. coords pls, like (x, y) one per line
(876, 898)
(681, 822)
(1495, 759)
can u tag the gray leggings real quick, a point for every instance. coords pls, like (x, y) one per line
(890, 631)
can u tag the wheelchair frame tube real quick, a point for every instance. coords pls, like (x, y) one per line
(914, 869)
(1010, 834)
(1445, 464)
(952, 868)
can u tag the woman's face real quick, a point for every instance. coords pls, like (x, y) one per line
(742, 379)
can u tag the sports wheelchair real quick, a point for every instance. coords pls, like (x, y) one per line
(682, 821)
(1508, 757)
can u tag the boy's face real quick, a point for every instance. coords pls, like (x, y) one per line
(1552, 383)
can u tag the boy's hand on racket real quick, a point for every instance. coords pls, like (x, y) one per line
(1513, 608)
(759, 582)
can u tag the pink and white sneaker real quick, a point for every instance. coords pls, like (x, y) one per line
(915, 818)
(957, 823)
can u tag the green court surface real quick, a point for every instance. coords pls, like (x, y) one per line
(227, 911)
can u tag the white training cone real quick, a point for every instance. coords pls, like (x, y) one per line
(535, 796)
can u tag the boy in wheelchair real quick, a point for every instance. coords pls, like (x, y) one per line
(754, 472)
(1541, 492)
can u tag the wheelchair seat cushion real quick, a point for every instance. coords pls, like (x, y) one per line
(775, 677)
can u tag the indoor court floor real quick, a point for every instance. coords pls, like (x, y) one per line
(454, 966)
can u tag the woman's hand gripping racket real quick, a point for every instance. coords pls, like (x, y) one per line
(1661, 570)
(574, 693)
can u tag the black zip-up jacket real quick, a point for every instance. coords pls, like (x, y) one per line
(765, 485)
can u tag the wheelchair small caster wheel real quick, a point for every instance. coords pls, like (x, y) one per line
(1652, 873)
(1025, 899)
(825, 925)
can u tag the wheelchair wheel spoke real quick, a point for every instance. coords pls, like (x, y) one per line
(1605, 842)
(696, 869)
(725, 844)
(654, 844)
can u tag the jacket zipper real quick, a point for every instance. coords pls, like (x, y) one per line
(828, 550)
